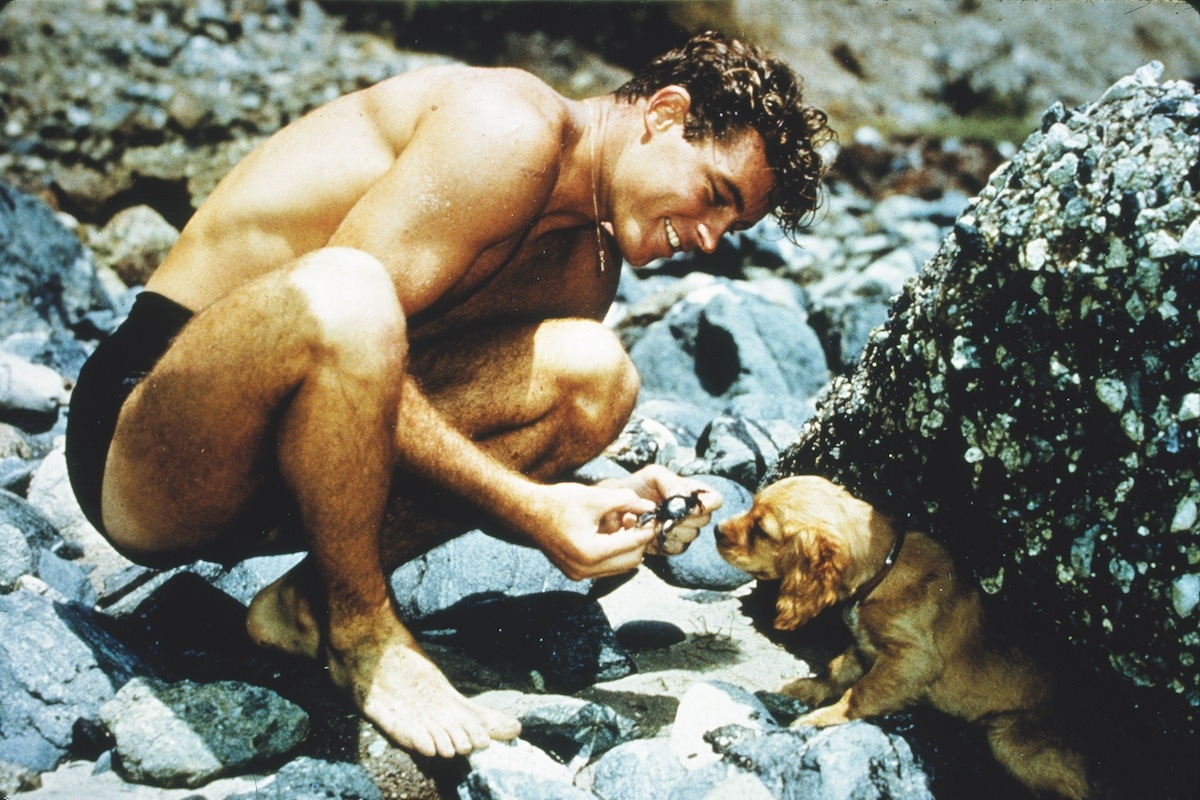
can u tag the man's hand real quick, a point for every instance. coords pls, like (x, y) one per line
(656, 483)
(591, 531)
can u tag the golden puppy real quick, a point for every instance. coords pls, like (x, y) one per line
(919, 632)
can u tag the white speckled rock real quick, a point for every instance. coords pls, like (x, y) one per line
(1030, 400)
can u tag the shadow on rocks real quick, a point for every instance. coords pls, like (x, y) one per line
(189, 630)
(563, 637)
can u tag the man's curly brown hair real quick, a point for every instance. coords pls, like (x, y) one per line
(735, 86)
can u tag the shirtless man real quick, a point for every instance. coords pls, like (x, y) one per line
(382, 328)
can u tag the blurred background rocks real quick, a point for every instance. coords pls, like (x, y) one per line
(117, 117)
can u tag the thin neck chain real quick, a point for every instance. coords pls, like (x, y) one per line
(595, 191)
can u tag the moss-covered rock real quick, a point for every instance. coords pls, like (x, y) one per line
(1034, 398)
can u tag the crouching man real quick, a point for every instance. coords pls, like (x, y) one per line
(381, 329)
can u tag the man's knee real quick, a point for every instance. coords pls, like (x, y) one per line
(596, 378)
(349, 297)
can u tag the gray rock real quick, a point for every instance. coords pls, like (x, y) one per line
(247, 578)
(51, 494)
(186, 734)
(501, 784)
(701, 566)
(740, 787)
(1033, 399)
(15, 472)
(737, 448)
(638, 635)
(708, 706)
(14, 778)
(47, 280)
(562, 638)
(57, 349)
(598, 469)
(80, 780)
(134, 243)
(642, 768)
(722, 342)
(517, 770)
(845, 327)
(474, 564)
(575, 731)
(856, 761)
(780, 415)
(30, 387)
(685, 421)
(312, 779)
(58, 664)
(16, 557)
(162, 117)
(642, 442)
(20, 514)
(69, 578)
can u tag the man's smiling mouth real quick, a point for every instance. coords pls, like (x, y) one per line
(672, 236)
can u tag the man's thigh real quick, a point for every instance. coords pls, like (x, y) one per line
(193, 460)
(489, 380)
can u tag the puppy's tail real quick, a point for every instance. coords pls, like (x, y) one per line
(1035, 754)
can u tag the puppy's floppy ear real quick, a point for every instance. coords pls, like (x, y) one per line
(812, 565)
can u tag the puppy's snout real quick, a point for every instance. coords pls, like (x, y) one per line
(722, 534)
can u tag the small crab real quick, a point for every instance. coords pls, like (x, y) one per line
(674, 509)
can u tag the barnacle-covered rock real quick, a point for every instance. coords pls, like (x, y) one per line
(1034, 398)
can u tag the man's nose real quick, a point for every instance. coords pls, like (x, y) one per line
(708, 236)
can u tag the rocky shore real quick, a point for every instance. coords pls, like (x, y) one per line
(767, 357)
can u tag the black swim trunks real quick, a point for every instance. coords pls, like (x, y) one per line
(118, 365)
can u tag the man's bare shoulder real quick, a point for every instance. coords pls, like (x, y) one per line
(506, 102)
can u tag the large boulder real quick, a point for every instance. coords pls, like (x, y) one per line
(723, 343)
(1034, 398)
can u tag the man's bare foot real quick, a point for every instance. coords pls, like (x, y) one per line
(281, 618)
(392, 681)
(398, 688)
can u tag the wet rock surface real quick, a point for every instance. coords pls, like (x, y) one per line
(124, 114)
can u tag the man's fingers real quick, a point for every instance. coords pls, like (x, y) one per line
(610, 554)
(710, 501)
(629, 537)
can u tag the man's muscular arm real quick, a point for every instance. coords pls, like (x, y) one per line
(585, 531)
(468, 185)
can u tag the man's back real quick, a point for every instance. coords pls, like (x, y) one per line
(419, 133)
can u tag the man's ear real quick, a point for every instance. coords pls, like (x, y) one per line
(666, 107)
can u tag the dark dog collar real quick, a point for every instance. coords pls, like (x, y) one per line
(877, 579)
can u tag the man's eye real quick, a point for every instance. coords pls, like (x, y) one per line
(716, 197)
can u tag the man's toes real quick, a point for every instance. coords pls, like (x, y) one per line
(421, 741)
(479, 737)
(462, 740)
(444, 743)
(501, 726)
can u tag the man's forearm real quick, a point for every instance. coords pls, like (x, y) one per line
(430, 447)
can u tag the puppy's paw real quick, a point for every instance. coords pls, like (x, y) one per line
(809, 691)
(823, 717)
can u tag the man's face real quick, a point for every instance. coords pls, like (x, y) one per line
(677, 195)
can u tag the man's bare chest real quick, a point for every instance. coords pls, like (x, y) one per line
(551, 276)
